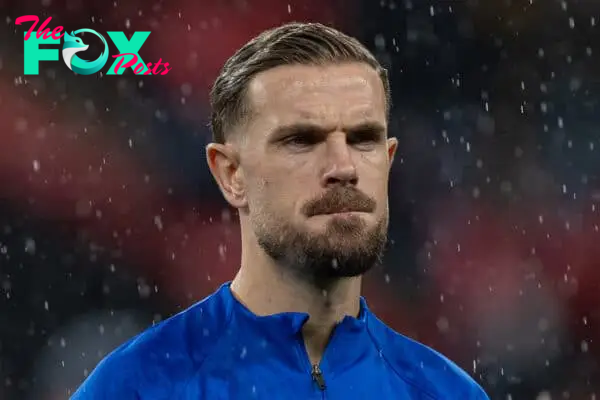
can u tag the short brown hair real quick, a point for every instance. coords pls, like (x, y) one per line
(293, 43)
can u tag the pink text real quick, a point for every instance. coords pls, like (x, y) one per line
(138, 69)
(42, 29)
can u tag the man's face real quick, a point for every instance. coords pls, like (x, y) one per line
(315, 160)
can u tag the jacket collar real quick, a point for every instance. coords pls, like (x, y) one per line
(290, 322)
(349, 342)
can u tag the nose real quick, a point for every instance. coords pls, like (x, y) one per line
(340, 167)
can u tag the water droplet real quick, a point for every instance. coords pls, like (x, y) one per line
(158, 222)
(186, 89)
(543, 396)
(21, 125)
(222, 251)
(380, 42)
(144, 290)
(443, 324)
(30, 246)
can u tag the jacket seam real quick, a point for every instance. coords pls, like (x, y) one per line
(208, 353)
(400, 375)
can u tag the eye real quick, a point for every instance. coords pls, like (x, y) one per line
(299, 141)
(364, 139)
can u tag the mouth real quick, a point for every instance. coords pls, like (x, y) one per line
(343, 211)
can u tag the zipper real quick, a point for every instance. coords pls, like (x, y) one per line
(315, 371)
(317, 376)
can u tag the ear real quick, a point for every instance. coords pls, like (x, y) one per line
(392, 145)
(223, 161)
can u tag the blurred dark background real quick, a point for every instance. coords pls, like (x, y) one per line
(109, 219)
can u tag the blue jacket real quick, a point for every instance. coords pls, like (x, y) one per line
(218, 349)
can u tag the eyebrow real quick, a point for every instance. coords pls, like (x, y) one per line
(301, 128)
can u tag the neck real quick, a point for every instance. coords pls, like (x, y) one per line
(267, 288)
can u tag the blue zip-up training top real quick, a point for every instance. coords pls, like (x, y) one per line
(218, 349)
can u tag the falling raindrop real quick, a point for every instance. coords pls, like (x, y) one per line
(158, 222)
(584, 346)
(443, 324)
(30, 246)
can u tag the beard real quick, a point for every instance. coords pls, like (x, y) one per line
(346, 248)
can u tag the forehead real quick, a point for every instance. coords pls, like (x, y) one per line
(346, 93)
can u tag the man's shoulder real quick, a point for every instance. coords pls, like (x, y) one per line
(164, 353)
(424, 368)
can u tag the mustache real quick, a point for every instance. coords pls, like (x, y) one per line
(340, 199)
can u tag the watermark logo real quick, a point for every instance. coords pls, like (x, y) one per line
(128, 56)
(73, 45)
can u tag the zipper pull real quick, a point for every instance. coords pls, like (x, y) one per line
(317, 376)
